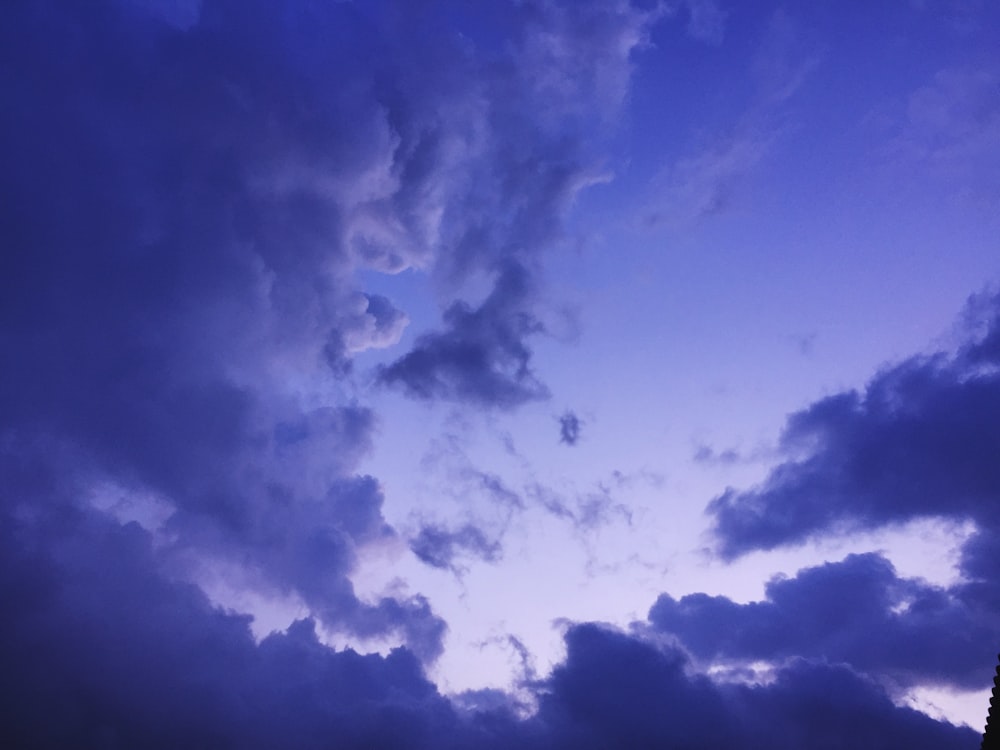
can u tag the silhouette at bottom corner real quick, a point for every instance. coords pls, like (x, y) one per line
(991, 733)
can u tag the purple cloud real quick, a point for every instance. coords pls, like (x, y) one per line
(920, 441)
(440, 547)
(857, 612)
(481, 357)
(569, 428)
(105, 651)
(191, 196)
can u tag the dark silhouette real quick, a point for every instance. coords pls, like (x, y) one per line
(991, 735)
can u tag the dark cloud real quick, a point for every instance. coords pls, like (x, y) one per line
(569, 428)
(614, 690)
(920, 441)
(535, 111)
(817, 705)
(440, 547)
(188, 203)
(100, 650)
(981, 321)
(189, 196)
(481, 357)
(856, 612)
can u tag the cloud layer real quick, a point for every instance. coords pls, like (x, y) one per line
(104, 652)
(191, 195)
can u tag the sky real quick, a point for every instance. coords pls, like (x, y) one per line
(499, 373)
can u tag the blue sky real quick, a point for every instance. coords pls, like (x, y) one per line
(500, 374)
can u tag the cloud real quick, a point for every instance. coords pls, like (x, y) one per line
(190, 202)
(902, 632)
(585, 510)
(952, 118)
(706, 454)
(615, 690)
(375, 324)
(706, 180)
(440, 548)
(102, 650)
(194, 190)
(706, 20)
(702, 184)
(569, 428)
(533, 114)
(481, 357)
(578, 56)
(918, 442)
(981, 323)
(948, 128)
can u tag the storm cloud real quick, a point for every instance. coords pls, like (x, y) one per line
(190, 197)
(195, 198)
(858, 611)
(920, 441)
(106, 652)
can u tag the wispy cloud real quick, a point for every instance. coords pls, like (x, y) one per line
(706, 180)
(949, 126)
(442, 548)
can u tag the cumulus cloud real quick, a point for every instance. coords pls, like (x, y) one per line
(189, 203)
(617, 690)
(919, 441)
(105, 651)
(192, 189)
(857, 612)
(527, 148)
